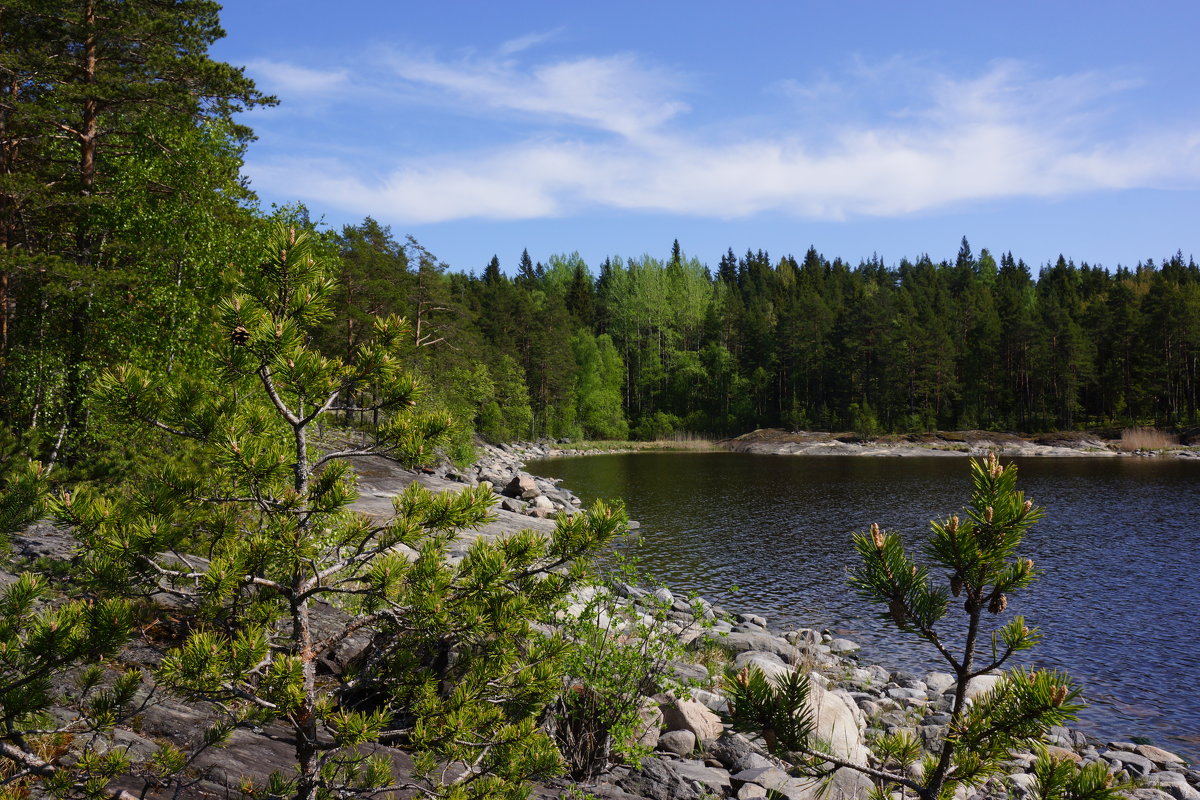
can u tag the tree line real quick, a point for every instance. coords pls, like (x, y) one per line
(649, 347)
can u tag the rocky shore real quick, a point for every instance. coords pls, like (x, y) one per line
(696, 755)
(775, 441)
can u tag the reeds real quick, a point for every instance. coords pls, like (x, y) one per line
(1146, 439)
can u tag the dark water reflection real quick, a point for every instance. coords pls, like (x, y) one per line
(1118, 602)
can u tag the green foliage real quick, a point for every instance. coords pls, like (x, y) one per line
(41, 638)
(980, 554)
(775, 709)
(122, 199)
(23, 485)
(618, 656)
(598, 380)
(1061, 779)
(456, 669)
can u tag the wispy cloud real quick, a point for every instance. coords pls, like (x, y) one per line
(616, 93)
(523, 43)
(296, 81)
(1004, 133)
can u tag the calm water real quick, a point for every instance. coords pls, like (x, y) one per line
(1119, 603)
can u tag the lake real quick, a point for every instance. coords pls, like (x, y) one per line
(1118, 603)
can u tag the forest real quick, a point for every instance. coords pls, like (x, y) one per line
(124, 217)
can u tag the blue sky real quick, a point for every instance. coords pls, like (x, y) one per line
(613, 128)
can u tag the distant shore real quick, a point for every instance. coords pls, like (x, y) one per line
(775, 441)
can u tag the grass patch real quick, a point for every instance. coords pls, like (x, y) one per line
(1146, 439)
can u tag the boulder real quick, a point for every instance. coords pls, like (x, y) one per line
(711, 700)
(514, 505)
(735, 752)
(938, 682)
(655, 780)
(650, 721)
(981, 684)
(688, 715)
(714, 779)
(522, 486)
(837, 722)
(843, 646)
(742, 641)
(1135, 765)
(751, 791)
(1157, 755)
(769, 664)
(1173, 784)
(681, 743)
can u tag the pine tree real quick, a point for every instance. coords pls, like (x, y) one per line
(455, 670)
(118, 152)
(980, 554)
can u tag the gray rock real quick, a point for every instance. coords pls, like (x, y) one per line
(1130, 762)
(939, 682)
(847, 784)
(769, 664)
(843, 646)
(751, 791)
(1150, 794)
(711, 700)
(736, 753)
(932, 736)
(1173, 784)
(688, 715)
(663, 595)
(681, 743)
(771, 778)
(802, 636)
(522, 486)
(685, 671)
(714, 779)
(650, 721)
(741, 641)
(1021, 783)
(981, 684)
(1158, 755)
(838, 722)
(655, 780)
(900, 693)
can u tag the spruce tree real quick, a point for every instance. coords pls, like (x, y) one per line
(454, 670)
(979, 553)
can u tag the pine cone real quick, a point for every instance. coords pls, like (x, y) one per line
(899, 615)
(239, 336)
(956, 585)
(999, 603)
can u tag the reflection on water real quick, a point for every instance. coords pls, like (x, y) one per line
(1117, 603)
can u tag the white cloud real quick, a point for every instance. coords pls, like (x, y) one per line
(294, 81)
(997, 135)
(523, 43)
(613, 93)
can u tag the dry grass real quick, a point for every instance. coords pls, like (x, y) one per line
(1146, 439)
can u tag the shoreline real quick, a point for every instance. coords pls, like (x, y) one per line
(516, 455)
(775, 441)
